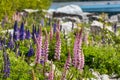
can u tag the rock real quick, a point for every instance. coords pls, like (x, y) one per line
(96, 74)
(104, 77)
(113, 79)
(118, 78)
(93, 79)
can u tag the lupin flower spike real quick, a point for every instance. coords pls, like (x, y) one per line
(6, 65)
(30, 52)
(78, 59)
(28, 35)
(11, 42)
(54, 27)
(58, 45)
(39, 46)
(51, 73)
(22, 37)
(15, 32)
(66, 66)
(45, 47)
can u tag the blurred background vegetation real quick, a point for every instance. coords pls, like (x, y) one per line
(80, 0)
(8, 7)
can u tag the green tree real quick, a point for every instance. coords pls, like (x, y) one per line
(8, 7)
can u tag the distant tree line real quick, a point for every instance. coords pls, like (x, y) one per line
(8, 7)
(80, 0)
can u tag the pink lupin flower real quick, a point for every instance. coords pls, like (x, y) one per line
(66, 66)
(51, 73)
(78, 59)
(51, 33)
(76, 50)
(82, 61)
(45, 47)
(39, 46)
(68, 61)
(79, 50)
(58, 45)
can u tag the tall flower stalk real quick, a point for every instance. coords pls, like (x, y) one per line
(22, 37)
(30, 52)
(28, 35)
(39, 46)
(15, 32)
(66, 66)
(58, 46)
(6, 65)
(54, 27)
(45, 47)
(11, 42)
(51, 73)
(78, 59)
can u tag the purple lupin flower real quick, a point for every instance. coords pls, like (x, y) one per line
(22, 37)
(51, 73)
(28, 35)
(78, 59)
(15, 26)
(58, 45)
(11, 42)
(37, 32)
(54, 27)
(66, 66)
(15, 32)
(6, 65)
(33, 28)
(33, 33)
(39, 47)
(30, 52)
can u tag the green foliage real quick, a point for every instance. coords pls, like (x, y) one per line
(17, 71)
(76, 0)
(102, 59)
(8, 7)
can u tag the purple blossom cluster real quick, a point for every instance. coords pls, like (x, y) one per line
(20, 34)
(6, 65)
